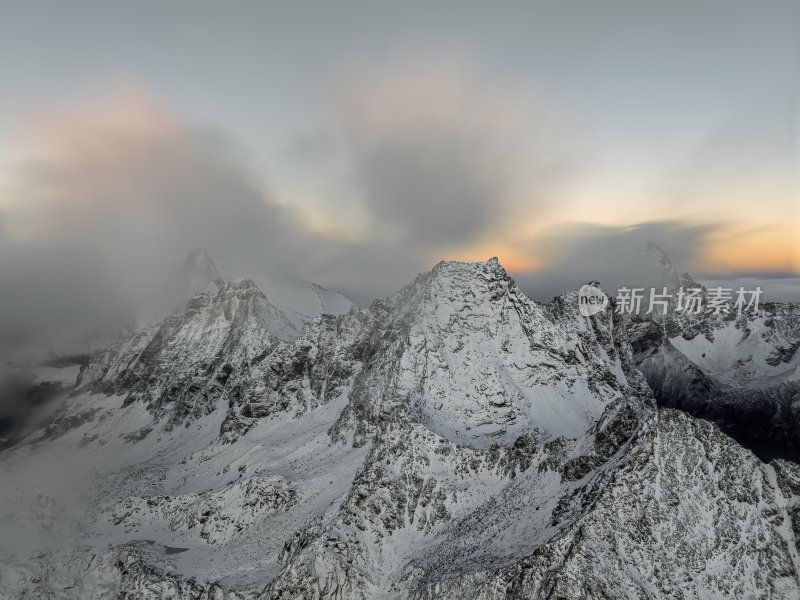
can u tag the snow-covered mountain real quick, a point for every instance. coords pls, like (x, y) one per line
(455, 440)
(297, 299)
(741, 371)
(39, 376)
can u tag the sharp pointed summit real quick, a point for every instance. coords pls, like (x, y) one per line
(199, 274)
(454, 440)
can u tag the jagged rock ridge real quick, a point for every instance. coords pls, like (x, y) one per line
(741, 371)
(455, 440)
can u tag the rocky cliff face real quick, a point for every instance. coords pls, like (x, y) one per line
(455, 440)
(741, 371)
(687, 513)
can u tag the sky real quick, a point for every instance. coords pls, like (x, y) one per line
(355, 144)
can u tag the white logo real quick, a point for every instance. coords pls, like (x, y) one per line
(591, 300)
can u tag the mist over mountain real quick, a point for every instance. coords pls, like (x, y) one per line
(399, 301)
(453, 440)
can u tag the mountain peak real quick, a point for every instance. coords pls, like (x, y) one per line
(199, 273)
(450, 279)
(491, 266)
(669, 274)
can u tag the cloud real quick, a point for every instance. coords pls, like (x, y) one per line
(105, 201)
(129, 172)
(575, 253)
(442, 152)
(579, 252)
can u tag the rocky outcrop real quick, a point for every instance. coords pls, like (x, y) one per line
(741, 372)
(455, 440)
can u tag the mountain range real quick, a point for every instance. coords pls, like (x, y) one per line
(454, 440)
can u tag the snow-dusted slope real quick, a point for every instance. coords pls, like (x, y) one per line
(298, 300)
(739, 370)
(752, 352)
(687, 513)
(477, 362)
(455, 440)
(302, 300)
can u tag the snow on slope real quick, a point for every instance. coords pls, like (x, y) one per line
(302, 300)
(92, 475)
(688, 514)
(455, 440)
(298, 300)
(478, 362)
(746, 356)
(740, 371)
